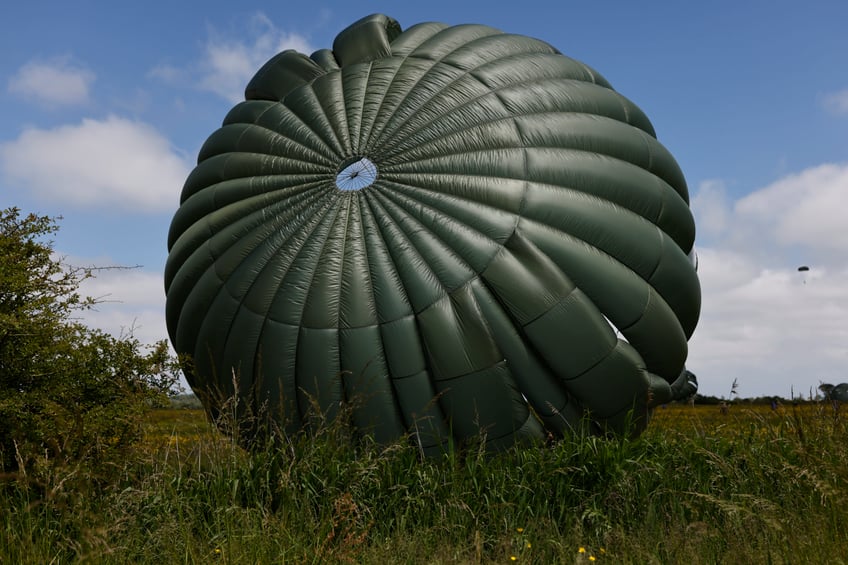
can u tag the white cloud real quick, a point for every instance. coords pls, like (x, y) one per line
(57, 82)
(836, 102)
(711, 202)
(763, 322)
(168, 73)
(807, 208)
(228, 63)
(113, 163)
(131, 301)
(775, 331)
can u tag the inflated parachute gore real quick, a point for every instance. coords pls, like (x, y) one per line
(457, 231)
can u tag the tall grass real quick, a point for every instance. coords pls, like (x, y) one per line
(751, 486)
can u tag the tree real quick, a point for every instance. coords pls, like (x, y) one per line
(68, 393)
(826, 389)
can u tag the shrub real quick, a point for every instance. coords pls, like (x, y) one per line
(69, 394)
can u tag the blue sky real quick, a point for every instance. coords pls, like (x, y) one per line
(103, 108)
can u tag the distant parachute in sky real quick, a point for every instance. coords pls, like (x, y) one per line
(443, 228)
(803, 268)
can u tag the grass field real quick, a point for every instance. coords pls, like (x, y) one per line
(753, 485)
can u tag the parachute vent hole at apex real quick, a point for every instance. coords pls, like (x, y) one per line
(357, 175)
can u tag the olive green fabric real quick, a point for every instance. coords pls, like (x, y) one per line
(514, 262)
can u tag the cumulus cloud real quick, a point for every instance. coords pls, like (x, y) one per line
(54, 83)
(836, 102)
(168, 73)
(805, 208)
(131, 301)
(112, 163)
(712, 205)
(227, 63)
(775, 329)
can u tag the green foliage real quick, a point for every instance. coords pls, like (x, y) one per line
(69, 394)
(701, 487)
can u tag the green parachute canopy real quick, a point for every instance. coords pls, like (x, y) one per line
(455, 231)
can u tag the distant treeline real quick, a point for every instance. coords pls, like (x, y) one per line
(185, 401)
(190, 402)
(710, 400)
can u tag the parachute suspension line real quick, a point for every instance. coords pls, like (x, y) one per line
(356, 175)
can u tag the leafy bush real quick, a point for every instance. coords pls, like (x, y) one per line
(69, 394)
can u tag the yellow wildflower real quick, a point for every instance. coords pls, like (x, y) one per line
(581, 550)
